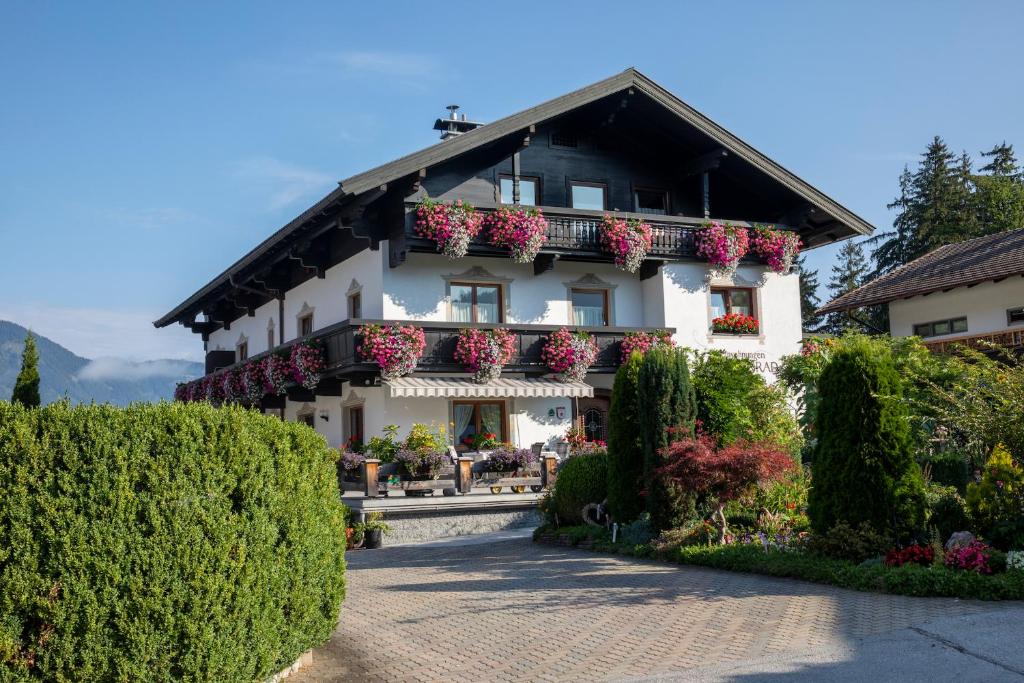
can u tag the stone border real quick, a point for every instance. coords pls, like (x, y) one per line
(304, 660)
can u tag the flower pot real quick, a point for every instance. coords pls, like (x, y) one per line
(374, 539)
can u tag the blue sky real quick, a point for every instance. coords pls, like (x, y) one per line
(145, 147)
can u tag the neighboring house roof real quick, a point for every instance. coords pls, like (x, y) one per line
(992, 257)
(352, 188)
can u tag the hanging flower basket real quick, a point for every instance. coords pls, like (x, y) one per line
(396, 349)
(182, 392)
(735, 323)
(628, 240)
(723, 246)
(643, 342)
(307, 362)
(451, 226)
(231, 386)
(570, 354)
(253, 386)
(213, 390)
(778, 247)
(276, 374)
(485, 352)
(522, 231)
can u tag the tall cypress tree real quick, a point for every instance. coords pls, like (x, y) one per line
(848, 274)
(809, 300)
(625, 447)
(26, 386)
(667, 407)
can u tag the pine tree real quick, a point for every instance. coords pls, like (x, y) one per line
(809, 300)
(1003, 163)
(26, 386)
(848, 274)
(625, 449)
(999, 193)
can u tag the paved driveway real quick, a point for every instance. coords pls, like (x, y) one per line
(512, 610)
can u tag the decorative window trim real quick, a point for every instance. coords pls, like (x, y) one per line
(242, 341)
(736, 282)
(591, 281)
(271, 337)
(306, 311)
(354, 289)
(478, 275)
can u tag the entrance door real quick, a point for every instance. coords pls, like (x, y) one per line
(592, 418)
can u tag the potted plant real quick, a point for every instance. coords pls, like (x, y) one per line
(735, 323)
(374, 529)
(485, 441)
(421, 464)
(307, 362)
(350, 464)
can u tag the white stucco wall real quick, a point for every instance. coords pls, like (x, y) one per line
(254, 329)
(984, 305)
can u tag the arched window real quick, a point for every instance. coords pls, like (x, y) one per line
(594, 421)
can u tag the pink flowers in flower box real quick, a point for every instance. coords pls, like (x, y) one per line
(252, 382)
(485, 352)
(307, 362)
(276, 373)
(395, 348)
(570, 354)
(452, 226)
(643, 342)
(779, 247)
(628, 240)
(522, 231)
(723, 246)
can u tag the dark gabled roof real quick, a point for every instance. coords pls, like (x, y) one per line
(992, 257)
(351, 188)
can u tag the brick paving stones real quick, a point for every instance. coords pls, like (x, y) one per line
(515, 611)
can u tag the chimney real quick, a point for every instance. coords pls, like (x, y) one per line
(454, 124)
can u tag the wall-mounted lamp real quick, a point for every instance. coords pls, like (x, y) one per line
(325, 416)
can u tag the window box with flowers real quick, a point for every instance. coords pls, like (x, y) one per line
(723, 246)
(629, 241)
(735, 323)
(307, 362)
(396, 349)
(644, 342)
(452, 226)
(522, 231)
(485, 352)
(570, 354)
(778, 247)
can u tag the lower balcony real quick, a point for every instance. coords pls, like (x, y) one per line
(1009, 339)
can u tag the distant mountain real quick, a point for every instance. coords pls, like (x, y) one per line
(104, 380)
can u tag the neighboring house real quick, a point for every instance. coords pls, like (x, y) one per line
(959, 293)
(624, 146)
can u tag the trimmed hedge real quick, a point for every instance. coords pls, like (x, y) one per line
(582, 480)
(164, 542)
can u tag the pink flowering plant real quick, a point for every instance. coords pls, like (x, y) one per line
(183, 392)
(276, 374)
(395, 348)
(485, 352)
(213, 390)
(628, 240)
(570, 354)
(252, 382)
(723, 246)
(973, 557)
(231, 386)
(778, 247)
(451, 226)
(307, 362)
(523, 231)
(644, 341)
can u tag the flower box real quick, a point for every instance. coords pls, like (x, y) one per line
(735, 323)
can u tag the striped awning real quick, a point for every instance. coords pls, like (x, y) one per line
(464, 387)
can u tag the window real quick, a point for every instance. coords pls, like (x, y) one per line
(529, 190)
(587, 195)
(590, 307)
(305, 324)
(271, 343)
(1015, 316)
(594, 424)
(308, 419)
(354, 425)
(355, 305)
(561, 138)
(651, 201)
(476, 303)
(478, 417)
(732, 300)
(242, 351)
(940, 327)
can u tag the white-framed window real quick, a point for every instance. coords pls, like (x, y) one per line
(591, 301)
(304, 321)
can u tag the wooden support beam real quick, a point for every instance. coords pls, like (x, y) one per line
(797, 216)
(703, 163)
(543, 263)
(330, 386)
(301, 395)
(649, 268)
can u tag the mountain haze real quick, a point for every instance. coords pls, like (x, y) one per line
(104, 380)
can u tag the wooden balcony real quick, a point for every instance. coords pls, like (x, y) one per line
(343, 364)
(1010, 339)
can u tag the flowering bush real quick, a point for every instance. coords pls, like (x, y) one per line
(972, 557)
(912, 554)
(484, 352)
(628, 240)
(779, 247)
(522, 231)
(252, 376)
(276, 371)
(395, 348)
(644, 341)
(508, 459)
(723, 246)
(451, 226)
(735, 323)
(419, 462)
(578, 444)
(569, 354)
(1015, 560)
(307, 362)
(351, 461)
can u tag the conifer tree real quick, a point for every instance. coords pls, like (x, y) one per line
(848, 273)
(809, 300)
(625, 447)
(999, 192)
(26, 386)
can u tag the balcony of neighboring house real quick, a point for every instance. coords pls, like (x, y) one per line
(343, 363)
(1012, 339)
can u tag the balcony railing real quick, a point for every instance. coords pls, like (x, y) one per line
(343, 362)
(1011, 339)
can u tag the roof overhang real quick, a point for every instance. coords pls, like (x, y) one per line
(464, 387)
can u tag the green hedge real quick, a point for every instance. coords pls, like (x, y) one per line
(163, 542)
(582, 480)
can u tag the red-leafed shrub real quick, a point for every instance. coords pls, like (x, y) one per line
(912, 554)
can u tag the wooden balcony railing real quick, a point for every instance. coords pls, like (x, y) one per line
(1010, 339)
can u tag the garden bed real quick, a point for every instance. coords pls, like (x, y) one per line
(912, 580)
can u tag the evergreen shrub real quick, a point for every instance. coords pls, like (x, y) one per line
(164, 542)
(582, 479)
(625, 447)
